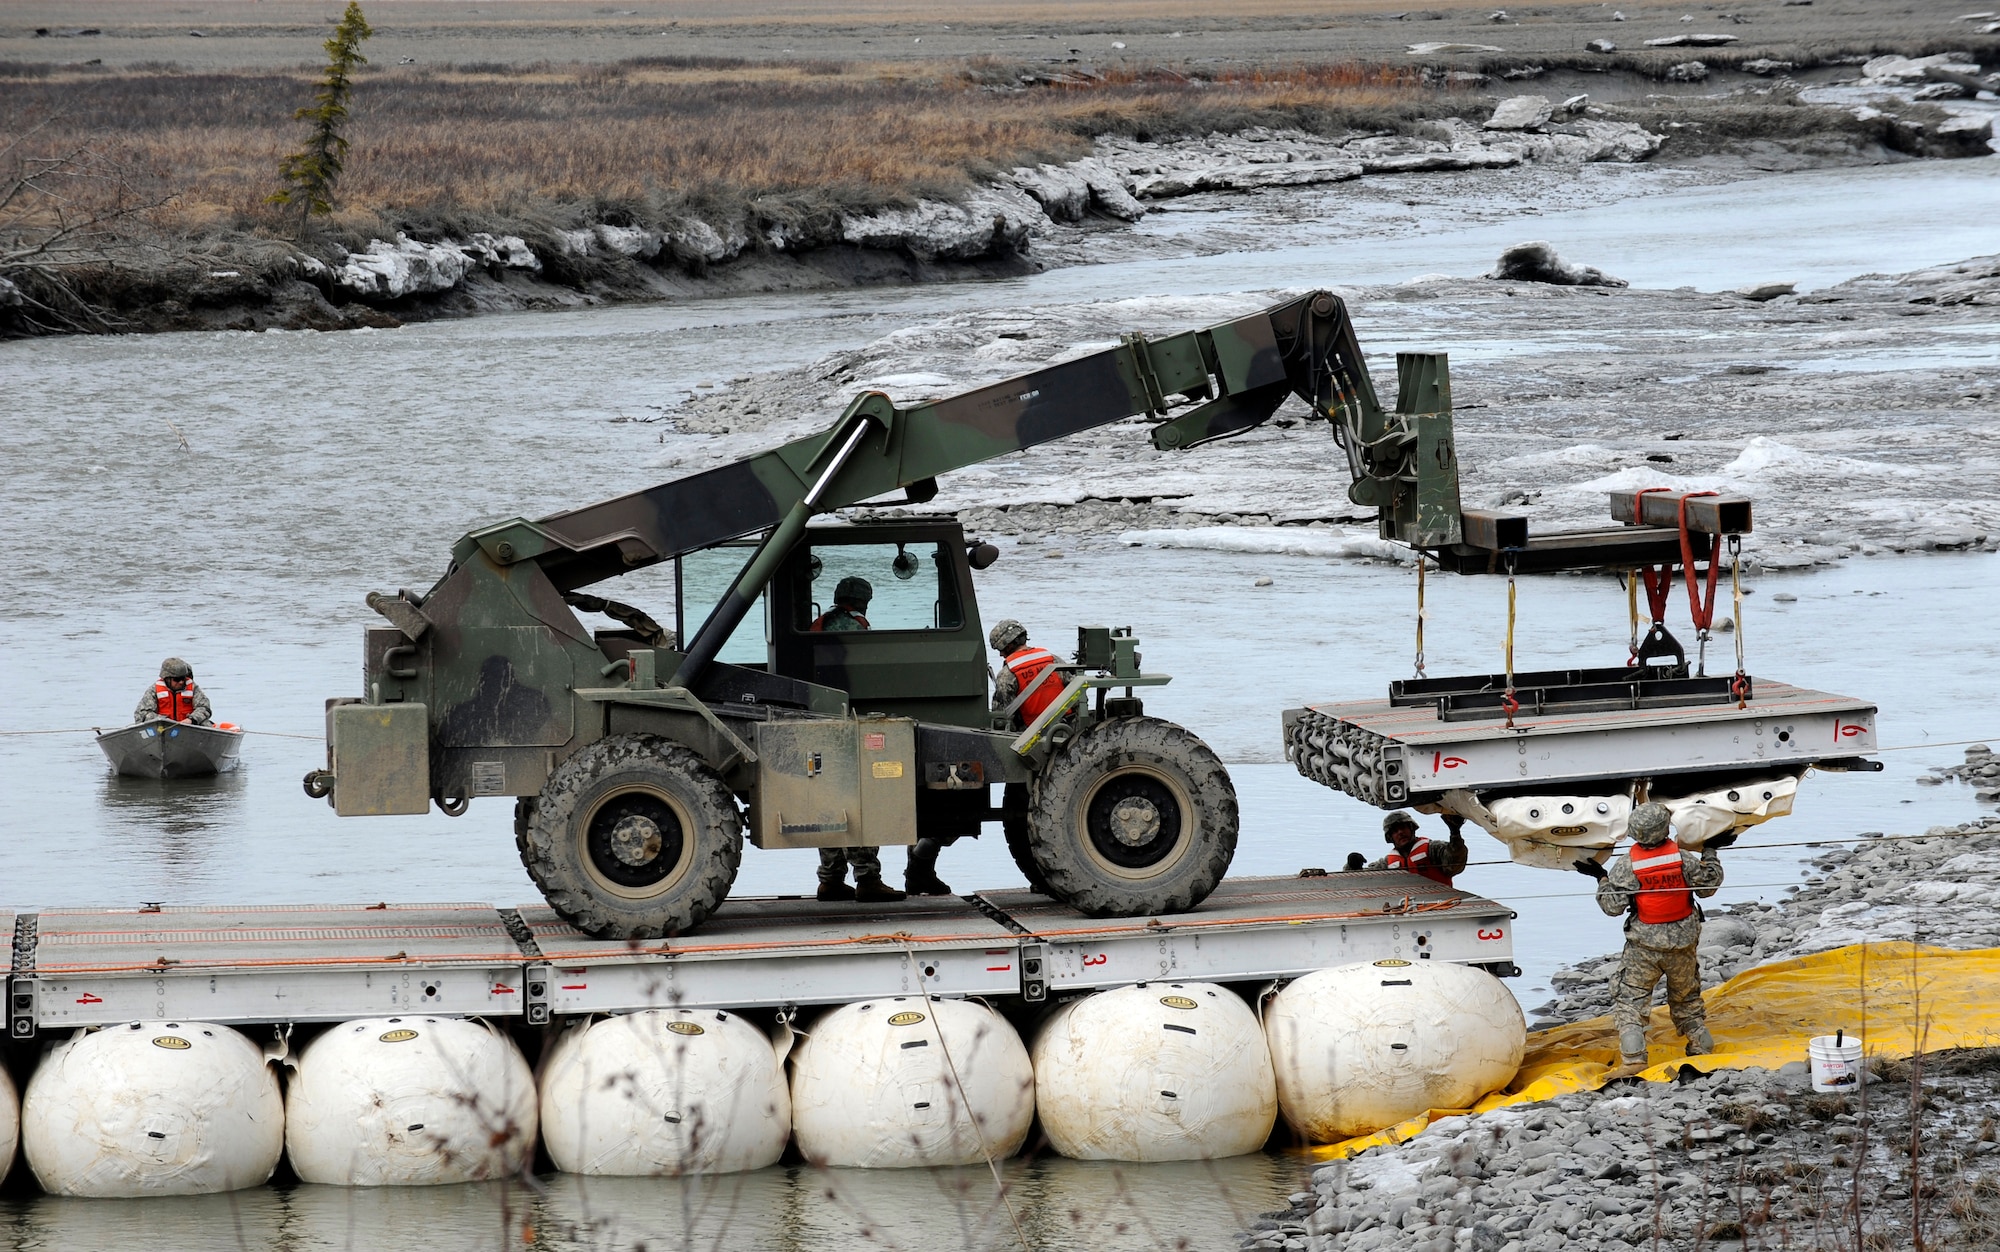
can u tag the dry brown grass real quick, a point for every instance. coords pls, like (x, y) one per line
(485, 141)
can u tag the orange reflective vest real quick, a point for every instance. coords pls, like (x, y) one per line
(171, 704)
(825, 620)
(1418, 861)
(1027, 664)
(1663, 888)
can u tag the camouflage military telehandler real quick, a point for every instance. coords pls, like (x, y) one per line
(637, 757)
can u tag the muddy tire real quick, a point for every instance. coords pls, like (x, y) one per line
(1014, 821)
(1133, 816)
(634, 837)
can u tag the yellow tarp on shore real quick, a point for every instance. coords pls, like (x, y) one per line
(1898, 998)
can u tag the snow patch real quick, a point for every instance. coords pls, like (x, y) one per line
(991, 220)
(389, 271)
(1763, 455)
(1644, 477)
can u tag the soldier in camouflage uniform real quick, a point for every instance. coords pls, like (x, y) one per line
(850, 606)
(868, 886)
(850, 612)
(1439, 862)
(1656, 882)
(175, 696)
(1018, 663)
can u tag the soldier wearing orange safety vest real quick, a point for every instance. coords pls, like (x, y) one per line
(175, 696)
(1437, 862)
(1656, 882)
(1022, 669)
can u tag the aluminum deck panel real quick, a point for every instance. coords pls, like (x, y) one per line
(1255, 928)
(1784, 727)
(771, 952)
(7, 917)
(274, 963)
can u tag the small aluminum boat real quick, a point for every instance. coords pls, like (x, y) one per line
(158, 748)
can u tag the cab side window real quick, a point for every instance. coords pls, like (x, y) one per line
(879, 586)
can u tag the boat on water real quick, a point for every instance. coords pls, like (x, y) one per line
(159, 748)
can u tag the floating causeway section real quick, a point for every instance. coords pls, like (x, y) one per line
(1390, 753)
(70, 968)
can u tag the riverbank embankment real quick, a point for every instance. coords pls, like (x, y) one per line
(488, 187)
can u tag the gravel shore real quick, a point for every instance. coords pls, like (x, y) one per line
(1750, 1158)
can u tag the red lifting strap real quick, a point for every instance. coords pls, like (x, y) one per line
(1659, 581)
(1701, 609)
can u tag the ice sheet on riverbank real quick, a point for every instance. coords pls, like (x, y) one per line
(1860, 417)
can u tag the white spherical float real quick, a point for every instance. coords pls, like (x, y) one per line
(1155, 1072)
(10, 1121)
(665, 1091)
(153, 1108)
(904, 1081)
(409, 1101)
(1365, 1046)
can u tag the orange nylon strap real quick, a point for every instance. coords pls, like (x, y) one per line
(1701, 610)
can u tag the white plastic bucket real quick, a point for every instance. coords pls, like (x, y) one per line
(1836, 1062)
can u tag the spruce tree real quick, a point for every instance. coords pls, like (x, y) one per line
(310, 173)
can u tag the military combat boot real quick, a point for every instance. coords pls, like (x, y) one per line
(1701, 1043)
(835, 892)
(872, 890)
(920, 877)
(1631, 1053)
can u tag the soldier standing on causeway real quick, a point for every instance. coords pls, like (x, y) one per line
(850, 612)
(1657, 883)
(1020, 668)
(175, 696)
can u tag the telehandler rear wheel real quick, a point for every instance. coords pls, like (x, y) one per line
(634, 837)
(1133, 816)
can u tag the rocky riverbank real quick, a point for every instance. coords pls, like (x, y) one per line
(1749, 1158)
(432, 263)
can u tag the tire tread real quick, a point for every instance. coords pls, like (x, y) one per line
(541, 831)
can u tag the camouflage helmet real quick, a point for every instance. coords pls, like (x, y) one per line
(854, 590)
(1395, 821)
(1007, 635)
(1649, 825)
(174, 667)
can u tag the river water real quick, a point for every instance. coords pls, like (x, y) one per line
(231, 497)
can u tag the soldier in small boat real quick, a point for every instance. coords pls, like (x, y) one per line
(175, 696)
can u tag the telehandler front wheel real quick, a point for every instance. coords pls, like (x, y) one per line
(634, 837)
(1133, 816)
(1014, 822)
